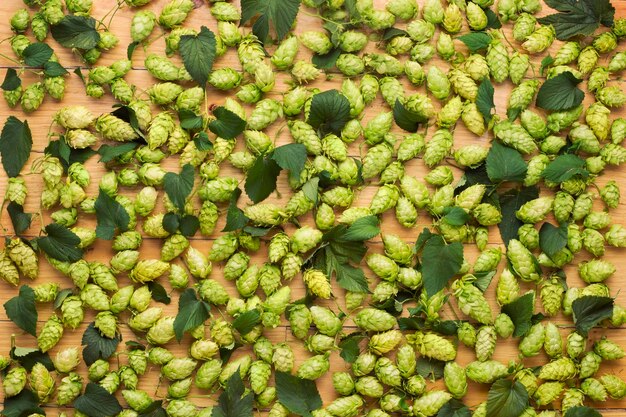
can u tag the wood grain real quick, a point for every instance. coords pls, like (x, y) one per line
(40, 123)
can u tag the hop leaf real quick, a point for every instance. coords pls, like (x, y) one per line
(198, 53)
(16, 141)
(22, 310)
(191, 313)
(76, 32)
(300, 396)
(280, 13)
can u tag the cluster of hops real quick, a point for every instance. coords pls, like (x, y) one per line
(390, 327)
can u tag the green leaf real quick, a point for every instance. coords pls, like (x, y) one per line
(578, 17)
(552, 239)
(330, 111)
(80, 75)
(16, 141)
(454, 408)
(60, 149)
(232, 401)
(22, 311)
(506, 399)
(11, 80)
(227, 125)
(61, 296)
(582, 411)
(483, 279)
(484, 99)
(291, 157)
(362, 229)
(154, 410)
(545, 63)
(21, 221)
(23, 404)
(36, 54)
(281, 14)
(198, 53)
(188, 225)
(349, 347)
(110, 152)
(505, 164)
(348, 277)
(98, 346)
(54, 69)
(510, 202)
(328, 60)
(110, 215)
(455, 216)
(564, 167)
(76, 32)
(97, 402)
(560, 93)
(476, 41)
(429, 368)
(235, 219)
(28, 357)
(440, 262)
(202, 142)
(189, 120)
(589, 310)
(130, 50)
(299, 396)
(310, 189)
(405, 118)
(60, 243)
(521, 311)
(158, 293)
(244, 323)
(493, 21)
(191, 313)
(179, 186)
(261, 178)
(171, 222)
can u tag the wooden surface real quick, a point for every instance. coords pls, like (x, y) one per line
(40, 123)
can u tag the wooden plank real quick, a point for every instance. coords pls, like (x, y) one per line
(40, 123)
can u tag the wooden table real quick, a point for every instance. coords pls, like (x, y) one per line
(40, 123)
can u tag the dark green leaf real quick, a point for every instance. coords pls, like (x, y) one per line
(484, 99)
(589, 310)
(552, 239)
(476, 41)
(189, 225)
(291, 157)
(330, 111)
(440, 262)
(61, 243)
(198, 53)
(300, 396)
(79, 74)
(21, 221)
(454, 408)
(98, 346)
(446, 327)
(348, 277)
(134, 345)
(281, 14)
(110, 215)
(564, 167)
(582, 411)
(328, 60)
(521, 312)
(578, 17)
(493, 22)
(510, 202)
(422, 238)
(97, 402)
(202, 142)
(245, 322)
(191, 313)
(310, 189)
(189, 120)
(75, 31)
(560, 93)
(545, 63)
(179, 186)
(411, 323)
(11, 80)
(483, 279)
(130, 50)
(23, 404)
(455, 216)
(506, 399)
(158, 293)
(362, 229)
(54, 69)
(405, 118)
(16, 141)
(128, 114)
(36, 54)
(261, 178)
(232, 401)
(505, 164)
(171, 222)
(349, 346)
(22, 311)
(430, 368)
(110, 152)
(256, 231)
(154, 410)
(28, 357)
(61, 296)
(235, 219)
(227, 125)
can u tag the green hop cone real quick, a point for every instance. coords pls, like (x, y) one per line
(14, 381)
